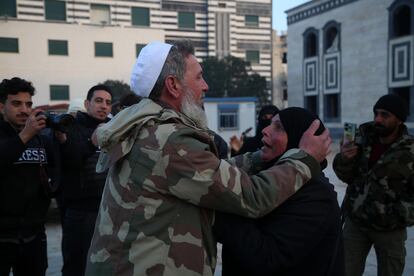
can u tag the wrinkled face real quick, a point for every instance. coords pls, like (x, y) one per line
(385, 122)
(275, 140)
(193, 80)
(100, 105)
(17, 109)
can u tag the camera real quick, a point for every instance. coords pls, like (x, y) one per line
(59, 122)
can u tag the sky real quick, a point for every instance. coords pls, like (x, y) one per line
(279, 8)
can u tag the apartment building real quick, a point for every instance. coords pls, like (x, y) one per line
(65, 47)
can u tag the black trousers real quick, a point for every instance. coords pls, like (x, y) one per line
(24, 259)
(78, 228)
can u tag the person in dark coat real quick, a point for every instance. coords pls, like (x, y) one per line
(303, 236)
(26, 166)
(252, 144)
(82, 186)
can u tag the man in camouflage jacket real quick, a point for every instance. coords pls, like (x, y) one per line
(379, 201)
(165, 180)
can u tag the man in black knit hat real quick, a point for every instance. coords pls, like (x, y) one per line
(378, 204)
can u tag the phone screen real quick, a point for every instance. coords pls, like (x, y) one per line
(349, 132)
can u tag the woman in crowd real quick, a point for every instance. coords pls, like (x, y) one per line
(303, 236)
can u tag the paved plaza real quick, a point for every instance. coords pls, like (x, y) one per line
(54, 233)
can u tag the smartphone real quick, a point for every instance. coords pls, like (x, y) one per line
(350, 130)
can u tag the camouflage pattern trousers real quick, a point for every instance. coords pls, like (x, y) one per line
(389, 249)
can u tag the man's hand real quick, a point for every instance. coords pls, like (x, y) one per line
(349, 150)
(316, 146)
(34, 123)
(236, 143)
(61, 137)
(94, 138)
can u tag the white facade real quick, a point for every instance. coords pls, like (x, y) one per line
(80, 69)
(346, 72)
(244, 110)
(217, 28)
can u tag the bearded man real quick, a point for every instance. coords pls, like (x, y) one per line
(165, 179)
(379, 200)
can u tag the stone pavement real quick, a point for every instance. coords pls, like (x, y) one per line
(54, 235)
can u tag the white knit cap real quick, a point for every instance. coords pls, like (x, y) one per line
(76, 105)
(148, 67)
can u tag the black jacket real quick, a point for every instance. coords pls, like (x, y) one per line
(24, 184)
(82, 187)
(303, 236)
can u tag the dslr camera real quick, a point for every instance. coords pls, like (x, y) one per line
(59, 122)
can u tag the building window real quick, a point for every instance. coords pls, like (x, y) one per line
(331, 41)
(8, 8)
(138, 48)
(310, 42)
(331, 107)
(401, 21)
(284, 57)
(228, 116)
(285, 94)
(59, 92)
(311, 103)
(55, 10)
(186, 20)
(100, 14)
(103, 49)
(58, 47)
(253, 56)
(140, 16)
(404, 92)
(251, 20)
(9, 45)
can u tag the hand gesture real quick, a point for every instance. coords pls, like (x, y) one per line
(349, 150)
(34, 123)
(60, 136)
(316, 146)
(236, 143)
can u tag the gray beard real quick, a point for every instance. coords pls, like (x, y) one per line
(191, 109)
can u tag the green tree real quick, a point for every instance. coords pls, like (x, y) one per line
(233, 77)
(119, 89)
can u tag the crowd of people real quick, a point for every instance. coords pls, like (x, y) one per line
(152, 190)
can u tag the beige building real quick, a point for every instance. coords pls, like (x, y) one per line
(279, 67)
(65, 47)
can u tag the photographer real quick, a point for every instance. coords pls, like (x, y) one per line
(25, 184)
(378, 203)
(81, 186)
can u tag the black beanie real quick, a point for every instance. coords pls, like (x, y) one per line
(394, 104)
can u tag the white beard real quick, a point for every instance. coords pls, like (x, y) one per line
(193, 110)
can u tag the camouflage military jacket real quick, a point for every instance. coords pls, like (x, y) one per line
(164, 182)
(380, 198)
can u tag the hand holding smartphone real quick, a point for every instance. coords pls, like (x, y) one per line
(349, 133)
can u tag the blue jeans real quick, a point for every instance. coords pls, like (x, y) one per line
(78, 228)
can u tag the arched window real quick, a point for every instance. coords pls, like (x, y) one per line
(310, 39)
(401, 32)
(331, 37)
(401, 19)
